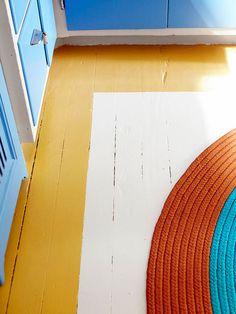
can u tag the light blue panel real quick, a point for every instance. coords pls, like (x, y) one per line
(6, 156)
(48, 26)
(18, 9)
(12, 169)
(33, 60)
(202, 14)
(116, 14)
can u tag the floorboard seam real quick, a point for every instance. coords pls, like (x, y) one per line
(25, 208)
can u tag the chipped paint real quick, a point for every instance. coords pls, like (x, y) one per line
(142, 161)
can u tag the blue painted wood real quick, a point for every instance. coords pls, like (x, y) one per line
(18, 9)
(202, 14)
(33, 60)
(116, 14)
(48, 26)
(12, 169)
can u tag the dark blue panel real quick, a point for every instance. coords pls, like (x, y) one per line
(202, 14)
(116, 14)
(12, 169)
(48, 26)
(18, 9)
(33, 60)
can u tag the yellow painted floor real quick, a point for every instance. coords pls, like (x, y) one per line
(43, 257)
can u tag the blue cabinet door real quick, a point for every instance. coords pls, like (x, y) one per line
(116, 14)
(48, 26)
(12, 169)
(202, 14)
(33, 60)
(18, 9)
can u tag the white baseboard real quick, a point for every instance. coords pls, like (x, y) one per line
(173, 39)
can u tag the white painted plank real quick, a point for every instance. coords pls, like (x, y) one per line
(134, 180)
(95, 279)
(194, 121)
(141, 144)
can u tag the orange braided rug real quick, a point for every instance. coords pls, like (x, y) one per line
(178, 275)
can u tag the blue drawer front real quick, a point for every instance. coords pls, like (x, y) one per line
(33, 60)
(12, 169)
(202, 13)
(18, 9)
(115, 14)
(48, 26)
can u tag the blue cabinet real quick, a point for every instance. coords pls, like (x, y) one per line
(46, 13)
(12, 169)
(18, 9)
(116, 14)
(152, 14)
(37, 55)
(33, 59)
(202, 14)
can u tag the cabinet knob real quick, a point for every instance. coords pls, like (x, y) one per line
(45, 38)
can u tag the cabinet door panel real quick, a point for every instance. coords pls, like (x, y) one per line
(48, 25)
(12, 169)
(202, 14)
(116, 14)
(33, 60)
(6, 155)
(18, 9)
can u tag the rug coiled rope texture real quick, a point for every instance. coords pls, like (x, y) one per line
(192, 263)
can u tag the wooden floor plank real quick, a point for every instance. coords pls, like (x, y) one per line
(55, 177)
(137, 146)
(100, 243)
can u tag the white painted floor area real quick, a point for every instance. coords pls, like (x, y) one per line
(141, 144)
